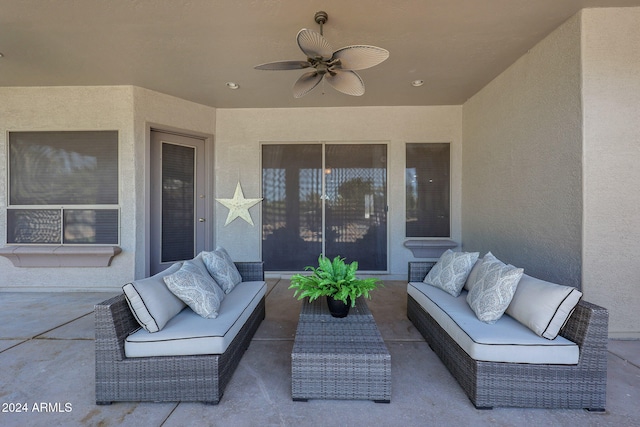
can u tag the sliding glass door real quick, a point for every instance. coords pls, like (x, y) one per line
(356, 204)
(324, 198)
(291, 206)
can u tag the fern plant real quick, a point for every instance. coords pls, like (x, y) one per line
(333, 279)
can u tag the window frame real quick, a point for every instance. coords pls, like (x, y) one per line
(450, 205)
(63, 207)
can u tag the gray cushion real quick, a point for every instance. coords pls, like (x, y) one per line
(190, 334)
(151, 302)
(503, 341)
(451, 271)
(222, 269)
(473, 275)
(543, 307)
(193, 285)
(493, 289)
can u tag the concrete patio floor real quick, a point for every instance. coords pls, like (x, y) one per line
(47, 370)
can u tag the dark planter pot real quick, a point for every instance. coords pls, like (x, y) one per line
(337, 308)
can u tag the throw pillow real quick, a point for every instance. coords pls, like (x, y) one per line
(151, 302)
(451, 271)
(222, 269)
(493, 289)
(543, 307)
(193, 285)
(473, 275)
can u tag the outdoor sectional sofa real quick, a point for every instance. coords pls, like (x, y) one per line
(150, 346)
(506, 364)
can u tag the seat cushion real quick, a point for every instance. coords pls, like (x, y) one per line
(151, 302)
(506, 340)
(190, 334)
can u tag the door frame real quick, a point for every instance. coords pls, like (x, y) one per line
(143, 217)
(323, 143)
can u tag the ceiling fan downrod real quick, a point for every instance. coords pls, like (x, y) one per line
(321, 17)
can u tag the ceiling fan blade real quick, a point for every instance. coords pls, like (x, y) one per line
(359, 57)
(346, 81)
(283, 65)
(313, 44)
(306, 83)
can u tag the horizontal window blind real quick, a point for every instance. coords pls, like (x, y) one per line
(65, 168)
(63, 188)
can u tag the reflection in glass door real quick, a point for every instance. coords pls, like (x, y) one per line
(291, 206)
(327, 199)
(356, 204)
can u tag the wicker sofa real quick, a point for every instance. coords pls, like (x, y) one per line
(181, 377)
(491, 384)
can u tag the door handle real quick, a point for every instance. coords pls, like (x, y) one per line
(201, 220)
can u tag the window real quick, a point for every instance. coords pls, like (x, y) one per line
(63, 188)
(427, 190)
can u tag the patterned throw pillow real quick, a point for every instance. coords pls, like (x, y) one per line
(493, 290)
(193, 285)
(222, 269)
(451, 271)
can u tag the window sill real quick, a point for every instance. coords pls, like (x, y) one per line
(429, 248)
(60, 256)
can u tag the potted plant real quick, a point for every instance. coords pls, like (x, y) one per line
(335, 280)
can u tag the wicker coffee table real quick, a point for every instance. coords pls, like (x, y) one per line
(339, 358)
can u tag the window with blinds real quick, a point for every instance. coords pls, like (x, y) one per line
(427, 177)
(63, 188)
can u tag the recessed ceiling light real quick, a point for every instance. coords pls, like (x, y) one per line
(232, 85)
(417, 83)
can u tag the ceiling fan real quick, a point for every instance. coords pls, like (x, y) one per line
(338, 67)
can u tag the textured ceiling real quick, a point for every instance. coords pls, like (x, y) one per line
(191, 48)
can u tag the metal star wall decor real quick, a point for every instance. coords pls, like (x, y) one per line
(239, 206)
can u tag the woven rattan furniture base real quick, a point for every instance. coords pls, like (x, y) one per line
(336, 358)
(200, 378)
(495, 384)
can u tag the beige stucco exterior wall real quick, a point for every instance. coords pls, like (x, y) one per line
(522, 162)
(72, 108)
(129, 110)
(611, 104)
(240, 132)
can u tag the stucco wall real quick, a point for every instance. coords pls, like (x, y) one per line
(522, 160)
(239, 133)
(129, 110)
(611, 94)
(72, 108)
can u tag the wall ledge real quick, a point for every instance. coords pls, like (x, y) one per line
(60, 256)
(432, 248)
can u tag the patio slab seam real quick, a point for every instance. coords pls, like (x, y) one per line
(38, 336)
(624, 359)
